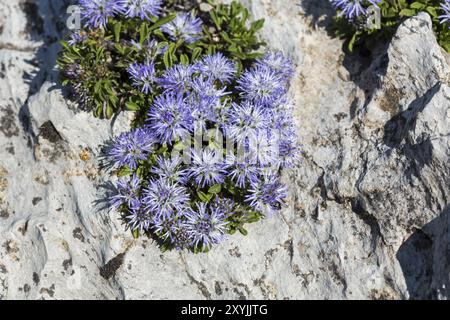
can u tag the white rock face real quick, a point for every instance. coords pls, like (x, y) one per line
(369, 212)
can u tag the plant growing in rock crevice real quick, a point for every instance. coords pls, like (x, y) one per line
(213, 128)
(351, 20)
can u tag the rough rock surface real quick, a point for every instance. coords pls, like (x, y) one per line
(369, 212)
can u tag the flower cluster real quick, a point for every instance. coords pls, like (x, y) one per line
(214, 126)
(185, 198)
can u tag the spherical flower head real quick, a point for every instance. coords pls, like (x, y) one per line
(177, 79)
(142, 76)
(127, 193)
(246, 121)
(263, 151)
(353, 9)
(95, 13)
(206, 90)
(164, 198)
(169, 118)
(261, 85)
(185, 26)
(173, 230)
(170, 169)
(205, 226)
(207, 169)
(242, 171)
(139, 219)
(131, 147)
(226, 207)
(217, 68)
(279, 63)
(445, 17)
(144, 9)
(268, 193)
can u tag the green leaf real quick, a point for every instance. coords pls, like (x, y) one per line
(407, 12)
(243, 231)
(123, 172)
(257, 25)
(162, 21)
(215, 189)
(132, 106)
(117, 30)
(135, 233)
(204, 197)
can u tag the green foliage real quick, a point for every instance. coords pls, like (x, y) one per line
(103, 57)
(393, 12)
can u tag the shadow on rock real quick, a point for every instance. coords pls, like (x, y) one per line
(425, 259)
(46, 23)
(365, 66)
(397, 132)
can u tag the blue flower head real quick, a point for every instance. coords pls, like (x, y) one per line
(164, 198)
(169, 118)
(127, 193)
(353, 9)
(205, 226)
(170, 169)
(246, 121)
(131, 147)
(185, 26)
(142, 76)
(279, 63)
(144, 9)
(177, 79)
(206, 90)
(241, 171)
(217, 68)
(207, 169)
(267, 193)
(261, 85)
(95, 13)
(139, 219)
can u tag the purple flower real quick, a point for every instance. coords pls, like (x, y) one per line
(139, 219)
(131, 147)
(353, 8)
(95, 13)
(142, 76)
(445, 6)
(164, 198)
(143, 9)
(207, 169)
(206, 90)
(246, 121)
(177, 79)
(289, 154)
(241, 171)
(169, 118)
(185, 26)
(226, 207)
(206, 227)
(261, 85)
(263, 151)
(217, 68)
(77, 38)
(127, 193)
(170, 170)
(279, 63)
(269, 193)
